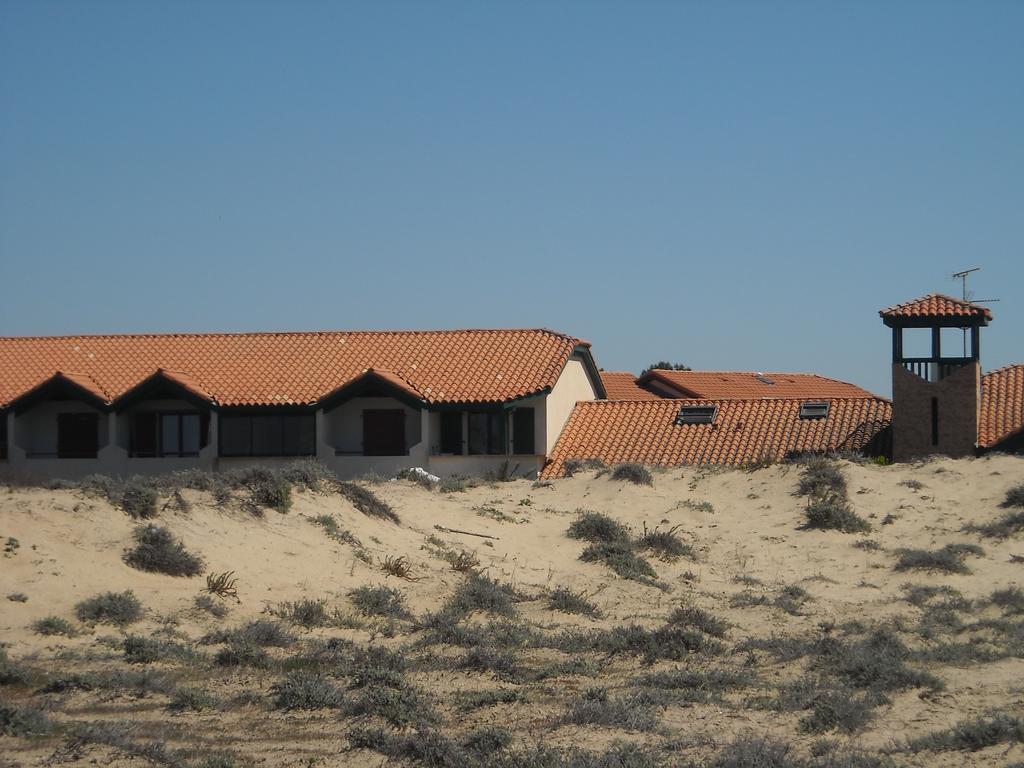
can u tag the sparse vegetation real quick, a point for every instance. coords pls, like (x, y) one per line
(380, 601)
(139, 499)
(596, 707)
(833, 513)
(666, 545)
(565, 600)
(948, 559)
(1014, 497)
(54, 625)
(637, 474)
(620, 557)
(156, 550)
(306, 613)
(1006, 526)
(972, 735)
(596, 527)
(574, 466)
(821, 477)
(118, 608)
(305, 690)
(367, 502)
(330, 525)
(22, 721)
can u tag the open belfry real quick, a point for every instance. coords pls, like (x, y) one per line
(936, 375)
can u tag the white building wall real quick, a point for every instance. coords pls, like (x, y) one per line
(572, 386)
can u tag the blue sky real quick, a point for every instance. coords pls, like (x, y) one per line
(733, 185)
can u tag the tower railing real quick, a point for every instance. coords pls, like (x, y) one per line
(932, 369)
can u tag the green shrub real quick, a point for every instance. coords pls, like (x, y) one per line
(572, 466)
(484, 659)
(565, 600)
(146, 650)
(305, 690)
(694, 685)
(1014, 497)
(821, 477)
(242, 654)
(192, 700)
(264, 634)
(118, 608)
(637, 474)
(138, 499)
(1009, 524)
(367, 502)
(379, 601)
(833, 513)
(665, 544)
(157, 551)
(948, 559)
(305, 613)
(1011, 600)
(266, 487)
(595, 707)
(596, 527)
(839, 709)
(400, 706)
(468, 701)
(308, 475)
(482, 593)
(972, 735)
(696, 618)
(22, 721)
(54, 625)
(620, 557)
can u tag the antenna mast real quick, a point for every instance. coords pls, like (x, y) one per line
(962, 277)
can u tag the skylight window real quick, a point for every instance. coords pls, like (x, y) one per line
(814, 410)
(697, 414)
(764, 379)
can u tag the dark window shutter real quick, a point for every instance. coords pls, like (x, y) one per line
(523, 432)
(451, 432)
(144, 434)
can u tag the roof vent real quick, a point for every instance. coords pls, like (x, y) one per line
(816, 410)
(697, 414)
(764, 379)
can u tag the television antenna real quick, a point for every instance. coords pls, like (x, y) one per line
(966, 295)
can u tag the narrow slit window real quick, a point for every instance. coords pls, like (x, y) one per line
(697, 414)
(814, 410)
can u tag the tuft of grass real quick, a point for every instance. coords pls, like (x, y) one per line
(695, 685)
(118, 608)
(877, 662)
(791, 599)
(689, 616)
(399, 567)
(238, 653)
(367, 502)
(821, 477)
(839, 710)
(596, 707)
(400, 706)
(596, 527)
(222, 584)
(266, 487)
(305, 613)
(833, 513)
(869, 545)
(637, 474)
(469, 701)
(971, 735)
(379, 601)
(305, 690)
(157, 551)
(573, 466)
(1010, 600)
(146, 650)
(262, 633)
(501, 662)
(54, 625)
(620, 557)
(565, 600)
(665, 544)
(1009, 524)
(482, 593)
(948, 559)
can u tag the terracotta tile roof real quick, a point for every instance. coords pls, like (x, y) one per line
(718, 385)
(1002, 405)
(621, 385)
(464, 366)
(937, 305)
(743, 431)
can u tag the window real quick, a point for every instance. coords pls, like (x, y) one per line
(166, 434)
(78, 435)
(267, 434)
(814, 410)
(3, 436)
(764, 379)
(487, 433)
(697, 414)
(384, 432)
(522, 432)
(451, 432)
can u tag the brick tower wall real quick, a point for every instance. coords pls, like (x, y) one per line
(958, 397)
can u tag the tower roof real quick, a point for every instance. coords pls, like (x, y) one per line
(936, 306)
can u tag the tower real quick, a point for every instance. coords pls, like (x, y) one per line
(936, 375)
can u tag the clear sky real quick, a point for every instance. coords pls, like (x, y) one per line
(733, 185)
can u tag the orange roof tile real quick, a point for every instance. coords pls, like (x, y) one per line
(621, 385)
(465, 366)
(937, 305)
(718, 385)
(744, 431)
(1002, 405)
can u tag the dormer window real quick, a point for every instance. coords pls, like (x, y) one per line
(817, 410)
(697, 414)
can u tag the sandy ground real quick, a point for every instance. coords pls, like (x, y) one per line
(70, 547)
